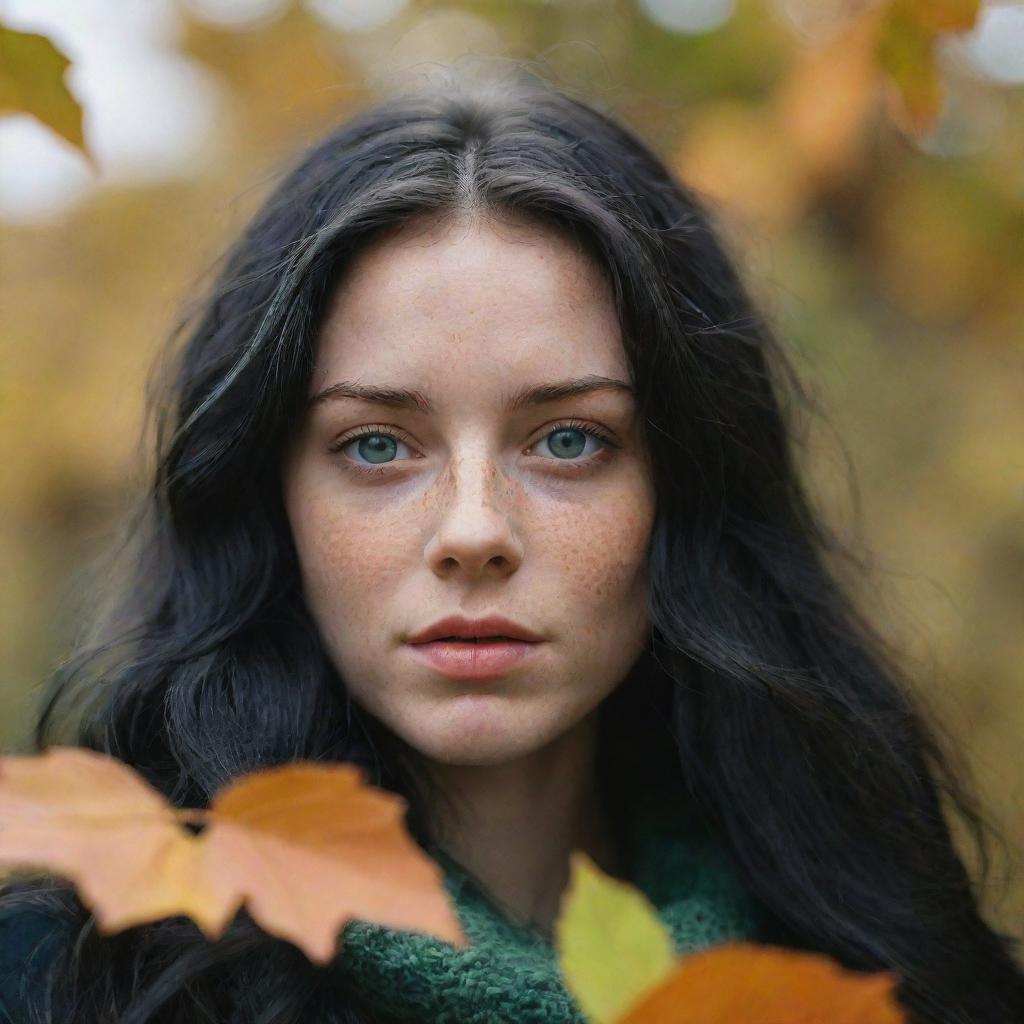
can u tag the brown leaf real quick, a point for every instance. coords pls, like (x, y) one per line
(32, 81)
(743, 983)
(306, 846)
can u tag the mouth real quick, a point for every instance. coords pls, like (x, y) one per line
(475, 631)
(475, 657)
(477, 640)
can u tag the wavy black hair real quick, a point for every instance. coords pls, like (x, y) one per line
(764, 695)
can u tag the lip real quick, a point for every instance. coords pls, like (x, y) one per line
(460, 626)
(468, 660)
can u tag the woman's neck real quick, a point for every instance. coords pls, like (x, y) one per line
(514, 825)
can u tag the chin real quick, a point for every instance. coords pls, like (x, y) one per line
(479, 740)
(477, 751)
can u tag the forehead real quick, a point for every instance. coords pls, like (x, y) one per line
(443, 303)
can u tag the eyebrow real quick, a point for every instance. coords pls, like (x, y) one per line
(416, 401)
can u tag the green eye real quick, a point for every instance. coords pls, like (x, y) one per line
(567, 442)
(377, 448)
(374, 448)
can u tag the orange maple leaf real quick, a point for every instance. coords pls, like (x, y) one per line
(307, 846)
(757, 984)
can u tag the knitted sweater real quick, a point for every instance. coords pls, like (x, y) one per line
(509, 973)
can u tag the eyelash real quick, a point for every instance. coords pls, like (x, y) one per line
(570, 424)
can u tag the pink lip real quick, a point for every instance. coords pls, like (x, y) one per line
(467, 660)
(461, 626)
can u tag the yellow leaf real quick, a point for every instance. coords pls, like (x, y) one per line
(906, 51)
(32, 82)
(612, 946)
(306, 846)
(943, 15)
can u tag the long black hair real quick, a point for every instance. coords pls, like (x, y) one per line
(788, 721)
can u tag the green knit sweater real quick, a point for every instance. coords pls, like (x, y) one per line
(509, 974)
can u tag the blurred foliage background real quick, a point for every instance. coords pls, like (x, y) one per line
(864, 157)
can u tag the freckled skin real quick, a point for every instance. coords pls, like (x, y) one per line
(474, 514)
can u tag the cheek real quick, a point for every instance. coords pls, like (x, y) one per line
(344, 552)
(350, 555)
(602, 555)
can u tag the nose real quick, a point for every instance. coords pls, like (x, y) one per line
(475, 535)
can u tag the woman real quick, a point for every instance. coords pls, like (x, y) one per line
(480, 368)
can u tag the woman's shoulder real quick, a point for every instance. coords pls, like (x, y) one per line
(30, 940)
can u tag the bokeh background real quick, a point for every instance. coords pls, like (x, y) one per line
(873, 196)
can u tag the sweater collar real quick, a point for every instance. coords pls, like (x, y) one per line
(510, 972)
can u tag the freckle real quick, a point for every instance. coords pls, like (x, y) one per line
(591, 575)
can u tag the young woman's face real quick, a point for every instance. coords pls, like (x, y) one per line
(473, 505)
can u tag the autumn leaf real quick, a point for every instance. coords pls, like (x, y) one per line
(611, 944)
(618, 962)
(768, 162)
(32, 81)
(306, 846)
(943, 15)
(906, 51)
(824, 100)
(343, 839)
(743, 983)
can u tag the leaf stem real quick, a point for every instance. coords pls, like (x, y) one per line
(193, 815)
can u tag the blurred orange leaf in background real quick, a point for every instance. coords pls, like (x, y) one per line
(307, 846)
(824, 100)
(770, 164)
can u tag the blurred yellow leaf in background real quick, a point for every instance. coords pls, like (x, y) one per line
(907, 52)
(32, 82)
